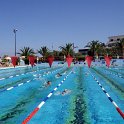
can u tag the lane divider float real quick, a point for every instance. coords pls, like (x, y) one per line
(10, 76)
(111, 100)
(43, 101)
(118, 71)
(118, 75)
(23, 74)
(2, 78)
(18, 85)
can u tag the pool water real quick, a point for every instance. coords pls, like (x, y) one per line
(22, 90)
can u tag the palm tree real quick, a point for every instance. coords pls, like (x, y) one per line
(92, 46)
(122, 42)
(99, 49)
(120, 47)
(26, 51)
(96, 47)
(107, 51)
(44, 52)
(67, 50)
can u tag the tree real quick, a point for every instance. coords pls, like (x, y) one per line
(96, 47)
(122, 42)
(4, 58)
(44, 52)
(57, 55)
(79, 57)
(26, 51)
(107, 51)
(120, 47)
(67, 50)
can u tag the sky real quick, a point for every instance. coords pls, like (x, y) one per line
(46, 22)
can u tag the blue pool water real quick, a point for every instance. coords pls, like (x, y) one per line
(22, 90)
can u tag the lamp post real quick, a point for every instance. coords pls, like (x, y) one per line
(15, 30)
(52, 47)
(73, 46)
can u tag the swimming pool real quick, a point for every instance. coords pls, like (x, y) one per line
(22, 91)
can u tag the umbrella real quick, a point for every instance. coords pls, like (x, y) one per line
(8, 58)
(22, 57)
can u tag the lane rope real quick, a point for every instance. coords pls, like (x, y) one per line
(44, 101)
(109, 97)
(18, 85)
(117, 70)
(120, 76)
(11, 76)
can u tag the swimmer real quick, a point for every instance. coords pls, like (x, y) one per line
(47, 84)
(37, 76)
(65, 92)
(64, 72)
(73, 72)
(46, 72)
(86, 73)
(58, 75)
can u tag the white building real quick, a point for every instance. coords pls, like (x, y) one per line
(84, 51)
(113, 40)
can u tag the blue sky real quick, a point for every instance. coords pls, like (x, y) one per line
(43, 22)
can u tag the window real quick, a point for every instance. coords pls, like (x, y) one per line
(111, 40)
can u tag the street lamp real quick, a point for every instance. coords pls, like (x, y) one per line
(73, 46)
(15, 30)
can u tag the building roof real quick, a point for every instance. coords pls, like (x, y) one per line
(118, 36)
(86, 48)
